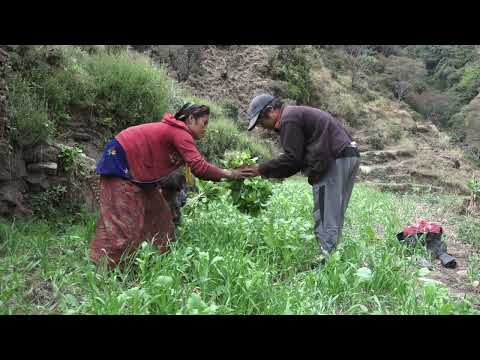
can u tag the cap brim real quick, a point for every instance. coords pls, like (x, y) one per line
(253, 122)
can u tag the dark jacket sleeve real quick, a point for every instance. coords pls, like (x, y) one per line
(291, 161)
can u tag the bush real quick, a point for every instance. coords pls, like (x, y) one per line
(432, 55)
(120, 87)
(402, 75)
(292, 65)
(457, 136)
(395, 132)
(457, 120)
(49, 202)
(434, 105)
(230, 109)
(445, 76)
(69, 160)
(474, 186)
(128, 89)
(330, 58)
(469, 233)
(28, 115)
(347, 108)
(216, 109)
(469, 84)
(72, 87)
(387, 50)
(115, 49)
(473, 155)
(220, 136)
(377, 142)
(223, 135)
(371, 65)
(33, 61)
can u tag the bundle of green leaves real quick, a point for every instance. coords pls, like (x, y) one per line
(249, 195)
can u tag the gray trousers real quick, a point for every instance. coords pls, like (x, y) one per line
(330, 197)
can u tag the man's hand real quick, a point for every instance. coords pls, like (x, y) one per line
(242, 172)
(251, 170)
(236, 174)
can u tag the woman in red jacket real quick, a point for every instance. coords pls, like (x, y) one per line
(133, 165)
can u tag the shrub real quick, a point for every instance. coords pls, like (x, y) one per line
(358, 59)
(457, 136)
(230, 109)
(377, 142)
(372, 65)
(216, 109)
(401, 75)
(473, 155)
(347, 108)
(292, 65)
(115, 49)
(67, 88)
(32, 61)
(474, 186)
(28, 115)
(223, 135)
(434, 105)
(469, 232)
(388, 50)
(432, 55)
(469, 84)
(69, 159)
(446, 75)
(49, 202)
(457, 120)
(220, 136)
(128, 88)
(122, 88)
(395, 132)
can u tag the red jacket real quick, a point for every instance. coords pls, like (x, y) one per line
(154, 150)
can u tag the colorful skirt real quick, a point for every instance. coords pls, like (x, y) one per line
(130, 215)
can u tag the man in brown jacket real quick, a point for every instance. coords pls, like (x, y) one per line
(315, 143)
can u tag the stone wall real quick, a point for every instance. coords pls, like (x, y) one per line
(12, 166)
(30, 170)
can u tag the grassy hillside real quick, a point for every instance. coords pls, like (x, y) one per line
(117, 88)
(65, 102)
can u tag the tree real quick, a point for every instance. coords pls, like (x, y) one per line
(291, 64)
(401, 74)
(401, 88)
(355, 60)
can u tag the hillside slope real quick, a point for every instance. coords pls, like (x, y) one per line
(400, 150)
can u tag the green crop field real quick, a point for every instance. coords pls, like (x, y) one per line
(228, 262)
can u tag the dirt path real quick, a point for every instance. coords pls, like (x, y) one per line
(457, 280)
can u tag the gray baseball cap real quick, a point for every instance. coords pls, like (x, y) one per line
(256, 106)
